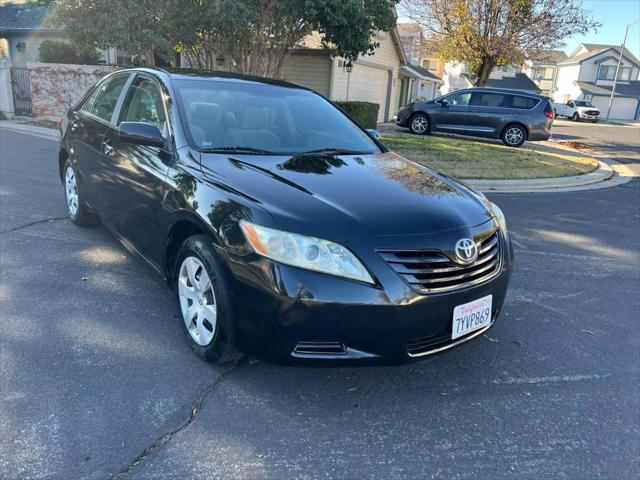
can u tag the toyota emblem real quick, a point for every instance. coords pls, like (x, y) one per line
(466, 250)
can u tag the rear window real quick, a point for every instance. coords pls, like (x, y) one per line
(523, 102)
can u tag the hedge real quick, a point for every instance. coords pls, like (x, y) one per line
(52, 51)
(364, 113)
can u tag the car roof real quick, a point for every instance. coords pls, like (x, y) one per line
(500, 90)
(211, 75)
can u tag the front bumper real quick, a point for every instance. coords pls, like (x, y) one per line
(278, 308)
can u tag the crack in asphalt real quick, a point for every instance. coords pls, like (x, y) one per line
(167, 437)
(31, 224)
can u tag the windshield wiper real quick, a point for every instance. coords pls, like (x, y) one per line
(335, 151)
(249, 150)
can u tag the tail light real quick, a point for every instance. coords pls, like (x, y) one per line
(548, 111)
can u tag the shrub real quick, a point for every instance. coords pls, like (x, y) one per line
(52, 51)
(364, 113)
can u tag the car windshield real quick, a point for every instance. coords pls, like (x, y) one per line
(255, 118)
(582, 103)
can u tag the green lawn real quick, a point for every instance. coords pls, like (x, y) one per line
(464, 158)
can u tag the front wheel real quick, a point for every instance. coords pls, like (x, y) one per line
(419, 124)
(576, 117)
(205, 301)
(76, 209)
(514, 136)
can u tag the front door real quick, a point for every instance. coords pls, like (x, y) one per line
(452, 114)
(140, 172)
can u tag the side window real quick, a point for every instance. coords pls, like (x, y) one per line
(103, 101)
(570, 104)
(490, 100)
(523, 102)
(144, 104)
(460, 99)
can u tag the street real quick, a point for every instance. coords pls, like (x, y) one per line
(97, 380)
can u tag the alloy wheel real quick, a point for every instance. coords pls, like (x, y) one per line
(514, 136)
(71, 188)
(197, 301)
(419, 124)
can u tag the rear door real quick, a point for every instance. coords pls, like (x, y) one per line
(88, 126)
(139, 171)
(487, 112)
(452, 116)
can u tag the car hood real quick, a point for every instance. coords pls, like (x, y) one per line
(341, 198)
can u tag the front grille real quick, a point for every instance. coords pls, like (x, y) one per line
(592, 112)
(431, 271)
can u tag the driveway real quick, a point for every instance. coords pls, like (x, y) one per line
(97, 381)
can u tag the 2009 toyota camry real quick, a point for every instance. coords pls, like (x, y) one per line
(287, 231)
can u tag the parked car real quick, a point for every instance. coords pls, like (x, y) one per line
(285, 230)
(511, 116)
(577, 110)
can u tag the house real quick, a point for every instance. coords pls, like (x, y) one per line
(418, 79)
(588, 74)
(457, 76)
(21, 34)
(372, 78)
(544, 72)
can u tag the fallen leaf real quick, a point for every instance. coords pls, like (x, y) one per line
(491, 339)
(588, 332)
(518, 342)
(84, 279)
(528, 394)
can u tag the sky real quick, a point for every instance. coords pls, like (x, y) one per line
(614, 16)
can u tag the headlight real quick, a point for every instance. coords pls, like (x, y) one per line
(305, 252)
(502, 222)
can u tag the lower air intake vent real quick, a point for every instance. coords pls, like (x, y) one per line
(320, 348)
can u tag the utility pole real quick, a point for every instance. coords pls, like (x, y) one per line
(615, 79)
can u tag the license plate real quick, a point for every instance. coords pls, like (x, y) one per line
(471, 316)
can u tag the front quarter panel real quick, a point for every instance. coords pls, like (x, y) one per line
(211, 204)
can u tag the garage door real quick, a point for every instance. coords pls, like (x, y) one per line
(369, 84)
(621, 109)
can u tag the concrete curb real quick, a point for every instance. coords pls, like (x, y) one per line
(42, 132)
(603, 177)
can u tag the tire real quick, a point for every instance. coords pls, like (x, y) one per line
(77, 210)
(513, 136)
(575, 117)
(419, 124)
(208, 325)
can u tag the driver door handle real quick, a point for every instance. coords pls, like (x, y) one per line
(107, 148)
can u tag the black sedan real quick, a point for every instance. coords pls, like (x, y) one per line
(287, 231)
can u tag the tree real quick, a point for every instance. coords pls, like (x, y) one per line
(256, 34)
(133, 26)
(486, 34)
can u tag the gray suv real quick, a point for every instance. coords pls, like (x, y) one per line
(482, 112)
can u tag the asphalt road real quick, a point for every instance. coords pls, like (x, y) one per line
(619, 142)
(97, 381)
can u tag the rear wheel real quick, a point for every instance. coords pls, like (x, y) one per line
(575, 117)
(204, 301)
(419, 124)
(514, 136)
(76, 209)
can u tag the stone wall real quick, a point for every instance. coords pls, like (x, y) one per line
(56, 87)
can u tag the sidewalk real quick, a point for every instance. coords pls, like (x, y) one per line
(609, 173)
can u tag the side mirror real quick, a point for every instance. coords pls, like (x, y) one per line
(373, 133)
(444, 102)
(140, 133)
